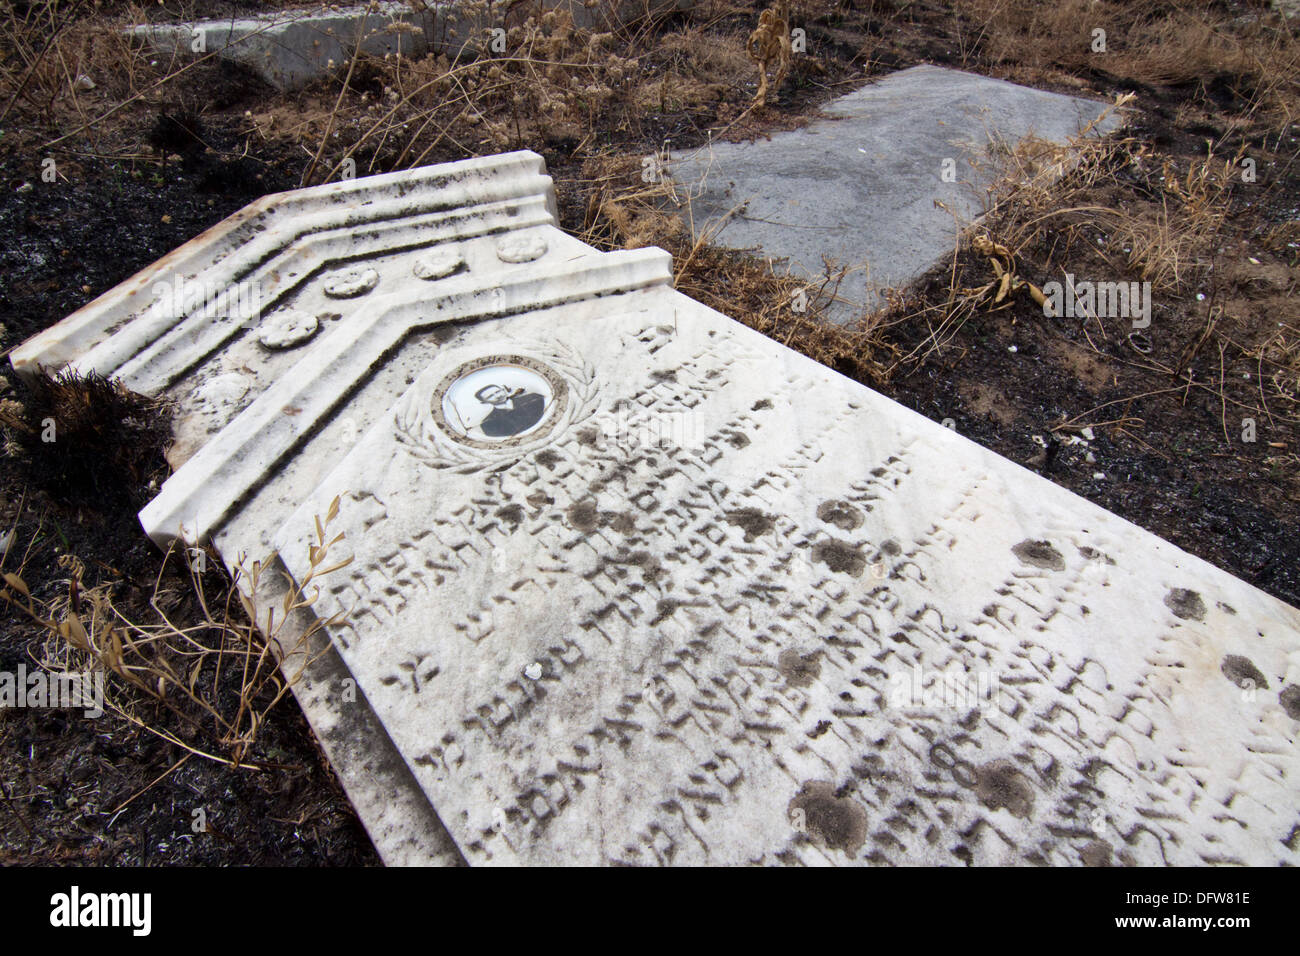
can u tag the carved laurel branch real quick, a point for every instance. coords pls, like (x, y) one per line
(421, 438)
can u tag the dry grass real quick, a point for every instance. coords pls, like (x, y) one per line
(694, 71)
(1165, 240)
(1278, 360)
(202, 672)
(623, 212)
(69, 58)
(1148, 41)
(551, 82)
(551, 74)
(87, 440)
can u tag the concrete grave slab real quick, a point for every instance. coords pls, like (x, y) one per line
(859, 187)
(290, 48)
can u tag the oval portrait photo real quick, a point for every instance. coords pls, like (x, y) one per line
(497, 402)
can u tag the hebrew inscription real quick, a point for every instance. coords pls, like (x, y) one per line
(767, 637)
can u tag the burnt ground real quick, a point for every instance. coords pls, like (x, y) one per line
(1178, 466)
(195, 149)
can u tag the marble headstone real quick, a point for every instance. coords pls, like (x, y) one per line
(719, 605)
(239, 329)
(633, 584)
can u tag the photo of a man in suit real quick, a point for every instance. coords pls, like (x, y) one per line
(513, 412)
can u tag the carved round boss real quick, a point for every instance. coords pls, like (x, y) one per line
(499, 400)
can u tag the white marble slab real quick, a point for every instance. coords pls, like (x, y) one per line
(703, 613)
(633, 584)
(293, 47)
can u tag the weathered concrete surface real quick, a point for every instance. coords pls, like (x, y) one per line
(859, 187)
(290, 48)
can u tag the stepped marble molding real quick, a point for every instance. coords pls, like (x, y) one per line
(301, 230)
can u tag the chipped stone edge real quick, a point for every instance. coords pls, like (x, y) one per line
(235, 246)
(402, 824)
(168, 356)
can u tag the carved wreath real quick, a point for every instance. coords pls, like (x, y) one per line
(572, 378)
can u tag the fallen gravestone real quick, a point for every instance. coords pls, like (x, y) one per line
(225, 318)
(632, 583)
(290, 48)
(293, 47)
(860, 187)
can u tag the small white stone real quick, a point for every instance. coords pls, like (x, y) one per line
(438, 264)
(221, 390)
(533, 671)
(286, 328)
(521, 248)
(348, 285)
